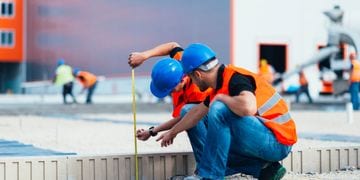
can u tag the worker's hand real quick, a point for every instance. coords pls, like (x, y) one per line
(167, 138)
(136, 59)
(142, 134)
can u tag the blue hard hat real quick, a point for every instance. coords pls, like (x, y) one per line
(60, 61)
(76, 71)
(195, 55)
(165, 76)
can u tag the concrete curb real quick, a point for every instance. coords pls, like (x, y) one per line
(158, 166)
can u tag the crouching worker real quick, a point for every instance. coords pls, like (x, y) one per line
(88, 82)
(249, 127)
(167, 77)
(185, 94)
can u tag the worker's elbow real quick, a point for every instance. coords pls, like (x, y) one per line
(249, 112)
(174, 44)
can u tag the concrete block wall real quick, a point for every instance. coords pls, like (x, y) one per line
(158, 166)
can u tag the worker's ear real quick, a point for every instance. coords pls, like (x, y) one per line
(198, 74)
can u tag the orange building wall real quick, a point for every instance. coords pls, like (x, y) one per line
(14, 23)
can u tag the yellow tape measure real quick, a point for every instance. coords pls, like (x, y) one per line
(134, 116)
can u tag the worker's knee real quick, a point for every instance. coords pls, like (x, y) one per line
(219, 110)
(218, 107)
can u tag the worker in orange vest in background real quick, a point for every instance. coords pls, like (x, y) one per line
(304, 87)
(266, 71)
(88, 81)
(354, 81)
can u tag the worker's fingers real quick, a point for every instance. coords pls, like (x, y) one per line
(140, 131)
(160, 138)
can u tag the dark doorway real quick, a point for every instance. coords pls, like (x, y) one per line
(275, 54)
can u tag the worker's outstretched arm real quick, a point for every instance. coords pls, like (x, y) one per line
(137, 58)
(243, 104)
(188, 121)
(144, 135)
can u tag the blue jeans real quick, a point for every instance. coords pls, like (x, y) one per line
(354, 93)
(90, 93)
(196, 134)
(234, 144)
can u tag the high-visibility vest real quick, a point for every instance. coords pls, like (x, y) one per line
(63, 75)
(302, 79)
(271, 107)
(87, 79)
(190, 94)
(355, 72)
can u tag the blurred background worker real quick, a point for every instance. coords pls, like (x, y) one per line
(354, 81)
(304, 87)
(88, 81)
(64, 77)
(266, 71)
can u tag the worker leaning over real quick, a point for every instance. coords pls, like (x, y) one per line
(354, 81)
(266, 71)
(304, 87)
(88, 82)
(249, 127)
(64, 77)
(168, 78)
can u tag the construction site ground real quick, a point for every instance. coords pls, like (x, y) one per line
(107, 128)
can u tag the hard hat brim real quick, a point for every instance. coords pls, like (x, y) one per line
(158, 93)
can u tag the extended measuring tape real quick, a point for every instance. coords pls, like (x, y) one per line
(134, 116)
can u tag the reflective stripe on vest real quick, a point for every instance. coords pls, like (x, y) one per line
(284, 118)
(270, 103)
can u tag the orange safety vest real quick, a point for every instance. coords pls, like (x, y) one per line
(271, 107)
(87, 79)
(355, 72)
(189, 94)
(302, 79)
(266, 73)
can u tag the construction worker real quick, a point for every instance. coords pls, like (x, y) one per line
(266, 71)
(88, 82)
(64, 77)
(168, 79)
(249, 127)
(354, 81)
(304, 87)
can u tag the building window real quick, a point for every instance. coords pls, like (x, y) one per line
(10, 9)
(6, 9)
(3, 9)
(7, 38)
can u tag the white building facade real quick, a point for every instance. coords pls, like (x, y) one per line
(287, 32)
